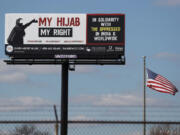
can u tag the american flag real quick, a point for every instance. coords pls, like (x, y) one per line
(160, 83)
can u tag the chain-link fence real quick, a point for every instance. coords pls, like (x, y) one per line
(90, 120)
(90, 128)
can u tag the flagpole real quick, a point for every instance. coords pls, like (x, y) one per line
(144, 92)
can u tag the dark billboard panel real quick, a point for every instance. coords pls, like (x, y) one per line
(106, 29)
(65, 36)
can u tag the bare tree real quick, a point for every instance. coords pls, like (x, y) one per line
(165, 130)
(29, 130)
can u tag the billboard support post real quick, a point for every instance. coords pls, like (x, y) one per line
(64, 98)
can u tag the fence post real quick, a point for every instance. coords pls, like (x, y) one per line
(56, 116)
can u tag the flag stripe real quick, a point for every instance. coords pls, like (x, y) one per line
(155, 86)
(154, 81)
(157, 83)
(159, 86)
(161, 90)
(160, 83)
(160, 80)
(163, 80)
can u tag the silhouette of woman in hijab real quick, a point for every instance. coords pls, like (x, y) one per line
(18, 32)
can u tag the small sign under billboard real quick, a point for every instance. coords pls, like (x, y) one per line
(62, 36)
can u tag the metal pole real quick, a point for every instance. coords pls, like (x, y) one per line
(56, 125)
(64, 99)
(144, 87)
(55, 113)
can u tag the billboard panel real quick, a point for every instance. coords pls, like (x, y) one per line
(106, 29)
(72, 36)
(46, 28)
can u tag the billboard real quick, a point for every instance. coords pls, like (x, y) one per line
(64, 36)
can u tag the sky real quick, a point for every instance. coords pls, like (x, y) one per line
(152, 30)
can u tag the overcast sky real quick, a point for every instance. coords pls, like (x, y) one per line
(152, 30)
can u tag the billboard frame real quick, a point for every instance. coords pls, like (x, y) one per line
(70, 61)
(99, 49)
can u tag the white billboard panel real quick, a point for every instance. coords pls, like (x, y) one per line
(45, 28)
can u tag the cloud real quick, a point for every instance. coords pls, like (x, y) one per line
(111, 100)
(79, 117)
(117, 100)
(83, 99)
(10, 75)
(19, 73)
(13, 77)
(168, 56)
(33, 69)
(22, 103)
(31, 101)
(122, 100)
(42, 69)
(168, 2)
